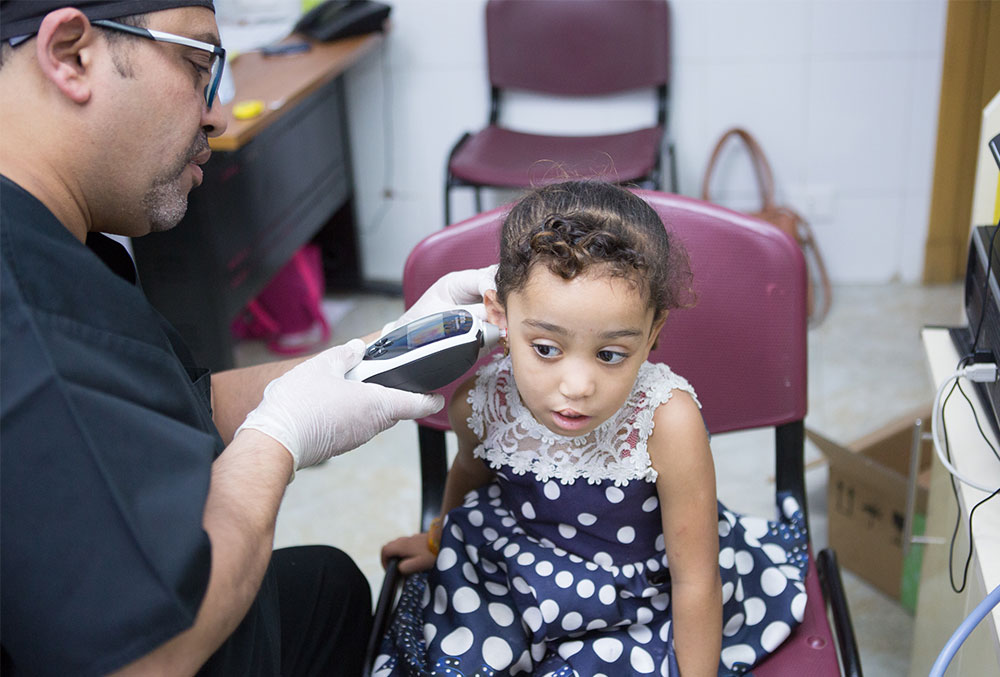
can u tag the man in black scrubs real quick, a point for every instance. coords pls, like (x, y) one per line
(138, 493)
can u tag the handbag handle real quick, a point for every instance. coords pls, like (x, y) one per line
(762, 170)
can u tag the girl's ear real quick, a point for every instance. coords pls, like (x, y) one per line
(495, 313)
(654, 333)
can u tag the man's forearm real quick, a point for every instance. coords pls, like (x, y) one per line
(237, 392)
(248, 482)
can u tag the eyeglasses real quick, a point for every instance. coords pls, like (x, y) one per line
(218, 53)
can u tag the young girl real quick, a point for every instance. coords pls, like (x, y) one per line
(580, 532)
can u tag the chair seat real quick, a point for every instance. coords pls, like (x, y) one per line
(497, 156)
(811, 648)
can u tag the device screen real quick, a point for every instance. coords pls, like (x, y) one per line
(427, 330)
(420, 333)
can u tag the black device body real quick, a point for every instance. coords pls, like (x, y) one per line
(419, 368)
(980, 341)
(429, 373)
(982, 310)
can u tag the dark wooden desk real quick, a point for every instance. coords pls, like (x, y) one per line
(273, 183)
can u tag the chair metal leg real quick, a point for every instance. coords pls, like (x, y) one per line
(833, 588)
(479, 200)
(447, 199)
(789, 441)
(383, 610)
(433, 472)
(673, 169)
(449, 179)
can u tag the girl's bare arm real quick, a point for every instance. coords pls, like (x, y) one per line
(680, 453)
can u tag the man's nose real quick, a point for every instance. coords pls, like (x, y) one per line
(214, 120)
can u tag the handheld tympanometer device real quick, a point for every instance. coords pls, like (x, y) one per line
(427, 353)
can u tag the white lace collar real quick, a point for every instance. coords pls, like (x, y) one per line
(615, 450)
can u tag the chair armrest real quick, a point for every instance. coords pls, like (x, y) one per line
(833, 590)
(383, 611)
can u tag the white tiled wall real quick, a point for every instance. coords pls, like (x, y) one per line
(842, 94)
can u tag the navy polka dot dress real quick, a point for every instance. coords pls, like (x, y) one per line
(558, 567)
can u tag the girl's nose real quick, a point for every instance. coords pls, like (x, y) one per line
(577, 383)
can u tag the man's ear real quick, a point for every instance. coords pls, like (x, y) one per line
(63, 47)
(495, 313)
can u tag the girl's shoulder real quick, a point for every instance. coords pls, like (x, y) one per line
(656, 384)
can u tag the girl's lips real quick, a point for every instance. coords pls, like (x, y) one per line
(568, 419)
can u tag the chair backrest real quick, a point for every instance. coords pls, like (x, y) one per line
(578, 47)
(742, 345)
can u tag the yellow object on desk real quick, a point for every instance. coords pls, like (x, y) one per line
(246, 110)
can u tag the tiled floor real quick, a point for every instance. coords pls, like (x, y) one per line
(866, 367)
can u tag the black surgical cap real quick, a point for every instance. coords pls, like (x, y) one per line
(23, 17)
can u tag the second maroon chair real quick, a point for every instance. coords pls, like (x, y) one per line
(569, 48)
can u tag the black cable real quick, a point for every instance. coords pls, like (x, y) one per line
(976, 419)
(951, 550)
(954, 489)
(995, 149)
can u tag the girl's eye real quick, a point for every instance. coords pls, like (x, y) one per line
(545, 350)
(610, 356)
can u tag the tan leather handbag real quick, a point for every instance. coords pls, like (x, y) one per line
(785, 218)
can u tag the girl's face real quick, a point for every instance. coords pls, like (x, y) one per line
(576, 345)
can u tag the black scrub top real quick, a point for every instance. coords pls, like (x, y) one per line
(106, 446)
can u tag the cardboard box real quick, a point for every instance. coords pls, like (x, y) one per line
(866, 503)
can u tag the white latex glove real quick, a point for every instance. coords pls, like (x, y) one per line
(459, 288)
(315, 414)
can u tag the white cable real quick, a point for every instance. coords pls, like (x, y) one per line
(981, 373)
(962, 632)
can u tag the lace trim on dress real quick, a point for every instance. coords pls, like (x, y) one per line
(616, 450)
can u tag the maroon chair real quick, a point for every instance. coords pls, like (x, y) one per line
(568, 48)
(742, 347)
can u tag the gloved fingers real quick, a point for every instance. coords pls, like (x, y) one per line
(468, 286)
(343, 358)
(487, 279)
(396, 405)
(458, 288)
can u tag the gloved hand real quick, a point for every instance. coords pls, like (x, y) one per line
(458, 288)
(315, 414)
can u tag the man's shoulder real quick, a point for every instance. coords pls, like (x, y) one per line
(63, 287)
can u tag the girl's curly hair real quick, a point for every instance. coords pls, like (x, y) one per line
(571, 227)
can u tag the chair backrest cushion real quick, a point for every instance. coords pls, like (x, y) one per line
(578, 47)
(742, 345)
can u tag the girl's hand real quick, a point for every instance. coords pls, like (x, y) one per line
(413, 552)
